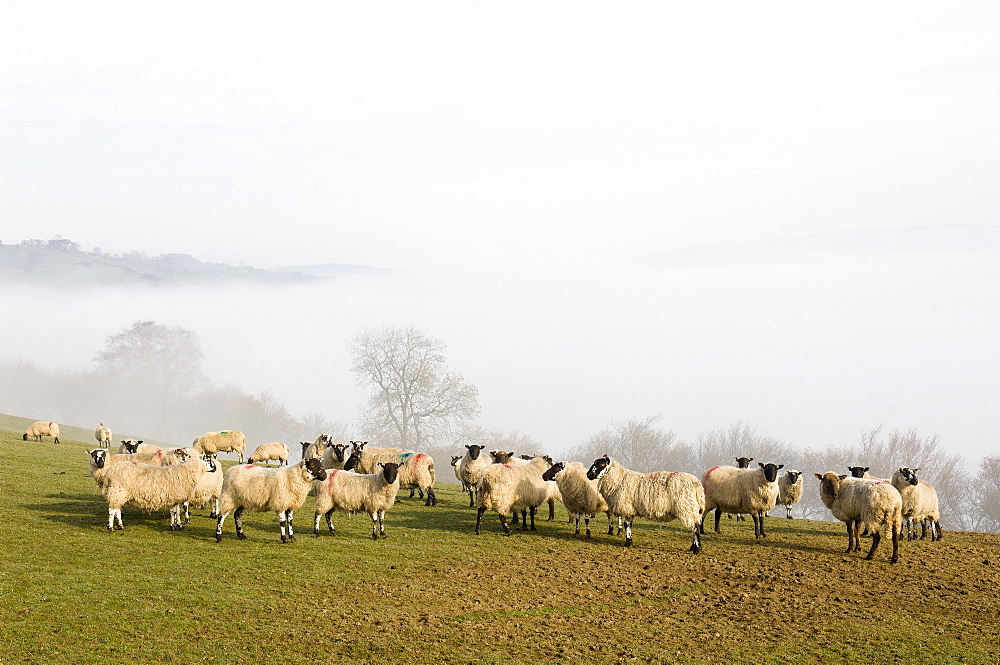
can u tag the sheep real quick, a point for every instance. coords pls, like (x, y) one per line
(39, 429)
(735, 490)
(471, 469)
(129, 446)
(335, 456)
(100, 459)
(151, 487)
(208, 488)
(506, 487)
(259, 489)
(920, 503)
(661, 496)
(270, 451)
(355, 492)
(315, 448)
(223, 441)
(789, 490)
(579, 494)
(416, 470)
(103, 435)
(741, 463)
(875, 504)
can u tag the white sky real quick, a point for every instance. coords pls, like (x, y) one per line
(490, 134)
(497, 141)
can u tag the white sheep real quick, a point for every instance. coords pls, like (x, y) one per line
(101, 459)
(270, 451)
(372, 494)
(335, 456)
(151, 487)
(208, 489)
(259, 489)
(741, 491)
(509, 487)
(103, 436)
(471, 469)
(857, 502)
(315, 448)
(129, 446)
(578, 493)
(789, 490)
(41, 428)
(920, 503)
(416, 470)
(211, 443)
(661, 496)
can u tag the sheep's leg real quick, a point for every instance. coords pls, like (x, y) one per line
(431, 498)
(758, 524)
(479, 519)
(923, 529)
(187, 513)
(718, 516)
(472, 498)
(876, 539)
(586, 521)
(218, 527)
(534, 511)
(788, 512)
(374, 516)
(381, 523)
(503, 523)
(628, 532)
(552, 510)
(513, 518)
(937, 526)
(291, 531)
(695, 539)
(238, 521)
(111, 518)
(850, 536)
(329, 522)
(524, 520)
(215, 509)
(316, 519)
(577, 524)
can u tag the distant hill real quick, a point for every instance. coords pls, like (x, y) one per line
(62, 263)
(862, 245)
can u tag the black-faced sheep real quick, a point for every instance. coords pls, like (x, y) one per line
(151, 487)
(471, 468)
(315, 448)
(857, 502)
(270, 451)
(211, 443)
(920, 503)
(41, 428)
(580, 495)
(789, 490)
(661, 496)
(335, 456)
(103, 436)
(416, 470)
(741, 491)
(259, 489)
(350, 492)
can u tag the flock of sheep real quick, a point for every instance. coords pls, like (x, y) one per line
(367, 479)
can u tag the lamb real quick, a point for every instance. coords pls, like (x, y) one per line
(335, 456)
(741, 491)
(270, 451)
(208, 488)
(662, 496)
(315, 448)
(355, 492)
(255, 488)
(471, 469)
(103, 435)
(789, 490)
(874, 504)
(151, 487)
(41, 428)
(920, 503)
(507, 487)
(211, 443)
(416, 470)
(579, 494)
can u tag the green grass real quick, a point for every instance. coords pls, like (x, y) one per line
(434, 592)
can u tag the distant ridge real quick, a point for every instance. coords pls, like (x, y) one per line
(863, 244)
(63, 264)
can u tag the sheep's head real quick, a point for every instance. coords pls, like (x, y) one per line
(455, 459)
(390, 471)
(553, 470)
(794, 477)
(99, 456)
(25, 437)
(339, 450)
(770, 471)
(209, 462)
(500, 456)
(474, 451)
(743, 462)
(315, 467)
(857, 471)
(909, 475)
(599, 467)
(352, 461)
(829, 486)
(131, 445)
(358, 446)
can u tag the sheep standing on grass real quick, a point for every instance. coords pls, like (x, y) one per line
(103, 436)
(223, 441)
(335, 456)
(270, 451)
(920, 504)
(874, 504)
(580, 495)
(416, 470)
(259, 489)
(101, 460)
(316, 448)
(372, 494)
(41, 428)
(151, 487)
(661, 496)
(207, 489)
(512, 487)
(741, 491)
(741, 463)
(471, 469)
(789, 490)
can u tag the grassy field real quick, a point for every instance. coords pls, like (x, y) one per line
(433, 592)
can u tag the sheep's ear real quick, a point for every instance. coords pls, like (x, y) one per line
(819, 476)
(760, 464)
(139, 441)
(843, 476)
(915, 470)
(781, 466)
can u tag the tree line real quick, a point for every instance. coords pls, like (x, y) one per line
(148, 379)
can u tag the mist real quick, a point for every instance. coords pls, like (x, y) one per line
(811, 351)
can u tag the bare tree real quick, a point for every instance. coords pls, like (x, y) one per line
(415, 397)
(637, 443)
(160, 358)
(984, 506)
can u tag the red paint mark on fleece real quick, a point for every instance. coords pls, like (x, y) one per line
(707, 474)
